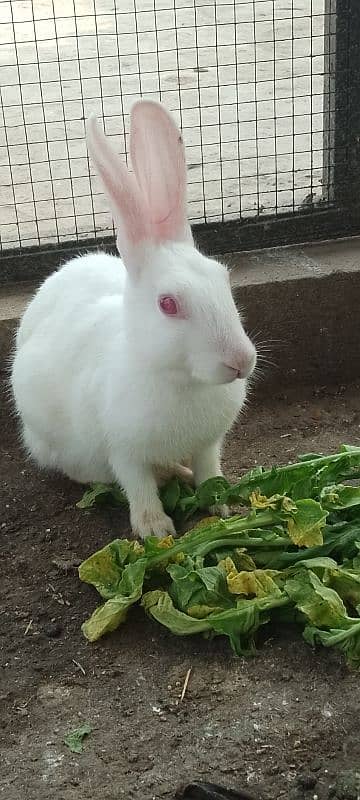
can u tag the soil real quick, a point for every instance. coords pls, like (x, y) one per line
(282, 725)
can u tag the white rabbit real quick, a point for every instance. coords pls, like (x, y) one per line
(125, 366)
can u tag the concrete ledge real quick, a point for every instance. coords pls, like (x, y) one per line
(13, 301)
(304, 302)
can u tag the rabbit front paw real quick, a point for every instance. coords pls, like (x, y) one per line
(152, 523)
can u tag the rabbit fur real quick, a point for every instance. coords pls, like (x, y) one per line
(129, 369)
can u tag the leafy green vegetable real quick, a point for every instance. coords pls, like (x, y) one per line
(100, 494)
(104, 569)
(320, 605)
(346, 583)
(238, 623)
(306, 525)
(108, 617)
(74, 740)
(294, 555)
(347, 640)
(337, 497)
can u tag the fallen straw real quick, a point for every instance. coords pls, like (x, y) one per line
(186, 682)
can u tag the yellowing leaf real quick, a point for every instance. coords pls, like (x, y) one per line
(166, 542)
(204, 523)
(258, 500)
(108, 617)
(258, 583)
(306, 524)
(104, 569)
(227, 565)
(288, 504)
(276, 501)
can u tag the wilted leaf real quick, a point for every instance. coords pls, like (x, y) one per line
(306, 524)
(276, 502)
(104, 569)
(230, 576)
(100, 494)
(108, 617)
(159, 605)
(242, 559)
(211, 492)
(74, 740)
(198, 587)
(239, 623)
(338, 496)
(320, 605)
(258, 583)
(346, 583)
(201, 612)
(347, 640)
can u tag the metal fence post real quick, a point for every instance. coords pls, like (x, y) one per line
(346, 175)
(329, 100)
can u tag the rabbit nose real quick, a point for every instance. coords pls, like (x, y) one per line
(244, 365)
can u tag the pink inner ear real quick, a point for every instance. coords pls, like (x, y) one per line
(128, 210)
(158, 158)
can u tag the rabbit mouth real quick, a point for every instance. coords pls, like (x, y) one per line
(219, 375)
(233, 374)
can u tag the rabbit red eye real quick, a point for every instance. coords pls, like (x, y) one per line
(168, 305)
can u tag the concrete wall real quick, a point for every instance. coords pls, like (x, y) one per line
(303, 302)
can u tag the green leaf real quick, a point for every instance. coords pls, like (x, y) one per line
(100, 494)
(320, 605)
(108, 617)
(74, 740)
(291, 479)
(306, 523)
(159, 605)
(347, 640)
(319, 564)
(338, 496)
(170, 495)
(211, 492)
(310, 456)
(202, 611)
(104, 569)
(242, 559)
(198, 587)
(346, 583)
(239, 624)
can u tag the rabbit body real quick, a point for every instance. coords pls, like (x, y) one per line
(108, 387)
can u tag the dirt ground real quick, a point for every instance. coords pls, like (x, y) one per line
(283, 725)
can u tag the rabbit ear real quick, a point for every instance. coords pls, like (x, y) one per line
(158, 159)
(127, 206)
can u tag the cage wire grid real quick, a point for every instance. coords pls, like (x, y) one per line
(247, 80)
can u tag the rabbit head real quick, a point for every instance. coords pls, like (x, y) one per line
(179, 311)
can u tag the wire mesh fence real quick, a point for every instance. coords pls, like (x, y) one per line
(249, 81)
